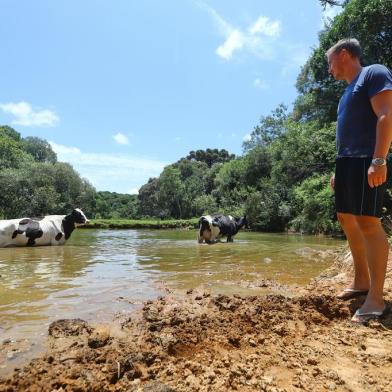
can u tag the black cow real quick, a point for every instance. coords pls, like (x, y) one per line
(214, 227)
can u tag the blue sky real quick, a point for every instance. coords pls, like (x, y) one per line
(123, 88)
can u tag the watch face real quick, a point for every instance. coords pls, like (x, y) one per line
(379, 161)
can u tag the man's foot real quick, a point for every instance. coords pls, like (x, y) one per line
(362, 317)
(349, 293)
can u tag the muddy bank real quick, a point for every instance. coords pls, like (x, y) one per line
(197, 342)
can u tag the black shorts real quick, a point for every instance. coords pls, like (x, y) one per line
(353, 194)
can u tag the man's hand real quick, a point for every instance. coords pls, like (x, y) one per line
(332, 182)
(377, 175)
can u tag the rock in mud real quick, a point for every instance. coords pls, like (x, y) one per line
(157, 386)
(99, 338)
(69, 327)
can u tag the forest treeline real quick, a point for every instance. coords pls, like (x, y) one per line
(281, 181)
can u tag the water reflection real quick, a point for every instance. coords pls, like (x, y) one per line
(185, 263)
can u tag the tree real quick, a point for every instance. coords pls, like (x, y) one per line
(314, 203)
(116, 205)
(270, 128)
(16, 193)
(305, 149)
(39, 149)
(231, 175)
(258, 164)
(204, 204)
(209, 177)
(210, 156)
(267, 209)
(148, 198)
(324, 3)
(12, 154)
(171, 191)
(6, 131)
(370, 21)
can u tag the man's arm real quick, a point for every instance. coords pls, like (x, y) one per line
(382, 106)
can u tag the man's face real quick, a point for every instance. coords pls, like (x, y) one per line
(336, 65)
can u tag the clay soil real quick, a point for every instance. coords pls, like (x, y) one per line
(197, 342)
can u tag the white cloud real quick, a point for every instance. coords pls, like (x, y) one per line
(247, 138)
(116, 173)
(26, 116)
(121, 139)
(260, 84)
(64, 150)
(133, 191)
(257, 39)
(264, 26)
(234, 41)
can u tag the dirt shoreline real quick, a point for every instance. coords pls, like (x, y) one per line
(199, 342)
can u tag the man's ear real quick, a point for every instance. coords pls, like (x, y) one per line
(345, 55)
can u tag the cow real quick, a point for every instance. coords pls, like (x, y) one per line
(214, 227)
(50, 230)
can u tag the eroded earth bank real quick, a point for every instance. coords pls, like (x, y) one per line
(197, 342)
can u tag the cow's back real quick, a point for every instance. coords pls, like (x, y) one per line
(226, 224)
(7, 230)
(47, 231)
(51, 227)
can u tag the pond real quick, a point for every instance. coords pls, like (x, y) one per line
(101, 273)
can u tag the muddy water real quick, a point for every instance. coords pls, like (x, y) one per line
(102, 273)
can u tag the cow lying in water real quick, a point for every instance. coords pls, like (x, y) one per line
(214, 227)
(50, 230)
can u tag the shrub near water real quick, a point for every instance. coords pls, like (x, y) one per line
(143, 224)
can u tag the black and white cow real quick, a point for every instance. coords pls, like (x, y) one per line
(214, 227)
(50, 230)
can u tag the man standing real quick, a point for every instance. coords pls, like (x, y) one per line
(363, 136)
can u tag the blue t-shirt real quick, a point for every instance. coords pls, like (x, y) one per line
(356, 127)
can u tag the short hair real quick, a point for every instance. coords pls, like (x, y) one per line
(350, 44)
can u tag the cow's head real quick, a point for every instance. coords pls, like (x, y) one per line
(78, 217)
(205, 223)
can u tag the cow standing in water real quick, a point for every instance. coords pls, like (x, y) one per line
(214, 227)
(50, 230)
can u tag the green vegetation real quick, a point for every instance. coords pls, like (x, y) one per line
(112, 205)
(280, 182)
(33, 183)
(143, 224)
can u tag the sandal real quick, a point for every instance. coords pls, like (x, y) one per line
(351, 293)
(363, 318)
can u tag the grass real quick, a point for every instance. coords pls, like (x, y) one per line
(142, 224)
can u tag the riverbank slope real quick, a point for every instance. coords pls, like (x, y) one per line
(197, 342)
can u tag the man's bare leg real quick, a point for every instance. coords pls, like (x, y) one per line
(376, 245)
(358, 251)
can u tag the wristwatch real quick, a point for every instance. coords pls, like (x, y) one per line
(379, 161)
